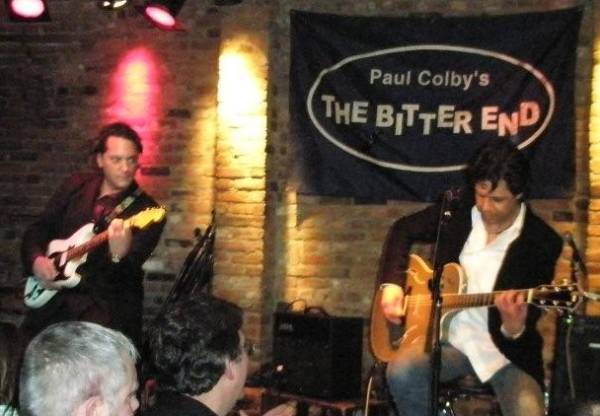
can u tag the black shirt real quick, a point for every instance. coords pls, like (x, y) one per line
(175, 404)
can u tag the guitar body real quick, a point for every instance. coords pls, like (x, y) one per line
(388, 340)
(36, 295)
(69, 254)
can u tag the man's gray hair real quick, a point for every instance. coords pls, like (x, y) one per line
(70, 362)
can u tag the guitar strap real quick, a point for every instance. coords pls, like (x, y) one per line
(122, 206)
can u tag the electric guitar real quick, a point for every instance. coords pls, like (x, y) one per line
(69, 254)
(389, 340)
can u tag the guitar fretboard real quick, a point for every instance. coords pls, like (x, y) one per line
(474, 299)
(466, 300)
(80, 250)
(92, 243)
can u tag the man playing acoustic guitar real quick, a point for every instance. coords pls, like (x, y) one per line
(501, 246)
(110, 290)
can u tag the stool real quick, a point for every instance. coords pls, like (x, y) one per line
(460, 395)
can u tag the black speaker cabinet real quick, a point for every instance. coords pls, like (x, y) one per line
(320, 355)
(576, 375)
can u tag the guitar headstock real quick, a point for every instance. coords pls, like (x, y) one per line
(146, 217)
(565, 296)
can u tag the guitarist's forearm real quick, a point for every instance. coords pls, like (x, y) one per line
(143, 244)
(31, 249)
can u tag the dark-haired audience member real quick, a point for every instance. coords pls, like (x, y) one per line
(501, 245)
(11, 347)
(198, 351)
(79, 369)
(110, 292)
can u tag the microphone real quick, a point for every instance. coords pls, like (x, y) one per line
(575, 256)
(450, 202)
(453, 194)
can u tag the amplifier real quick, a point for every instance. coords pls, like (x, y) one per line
(320, 356)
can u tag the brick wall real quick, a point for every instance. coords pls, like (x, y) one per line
(58, 87)
(332, 245)
(55, 91)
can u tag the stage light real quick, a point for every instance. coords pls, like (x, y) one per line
(162, 13)
(27, 10)
(112, 4)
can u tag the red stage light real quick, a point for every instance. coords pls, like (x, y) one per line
(161, 13)
(160, 16)
(135, 96)
(27, 9)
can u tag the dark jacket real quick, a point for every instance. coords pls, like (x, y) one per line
(115, 287)
(529, 262)
(175, 404)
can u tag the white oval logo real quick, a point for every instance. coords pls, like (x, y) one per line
(430, 82)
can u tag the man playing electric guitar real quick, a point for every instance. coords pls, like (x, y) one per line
(110, 291)
(501, 245)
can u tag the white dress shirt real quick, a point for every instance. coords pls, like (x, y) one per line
(468, 330)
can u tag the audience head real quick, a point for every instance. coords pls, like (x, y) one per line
(79, 368)
(197, 345)
(499, 160)
(11, 345)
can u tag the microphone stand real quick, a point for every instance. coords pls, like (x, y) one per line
(578, 270)
(578, 265)
(436, 304)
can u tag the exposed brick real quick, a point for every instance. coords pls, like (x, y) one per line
(241, 196)
(57, 90)
(179, 113)
(155, 170)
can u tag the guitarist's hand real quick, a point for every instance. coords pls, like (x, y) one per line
(119, 238)
(392, 303)
(513, 310)
(44, 269)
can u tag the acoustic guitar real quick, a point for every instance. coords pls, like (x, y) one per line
(389, 340)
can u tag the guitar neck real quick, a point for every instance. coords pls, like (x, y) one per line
(80, 250)
(475, 299)
(89, 245)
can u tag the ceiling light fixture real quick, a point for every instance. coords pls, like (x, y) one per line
(162, 13)
(112, 4)
(27, 10)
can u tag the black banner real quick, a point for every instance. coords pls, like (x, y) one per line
(393, 108)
